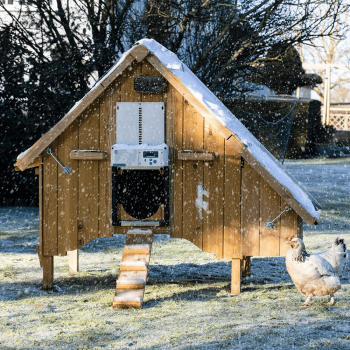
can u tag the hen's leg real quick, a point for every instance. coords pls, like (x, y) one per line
(307, 302)
(332, 302)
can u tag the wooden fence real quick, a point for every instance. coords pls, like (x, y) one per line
(339, 117)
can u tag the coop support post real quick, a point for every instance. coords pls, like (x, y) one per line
(245, 266)
(47, 264)
(236, 276)
(73, 256)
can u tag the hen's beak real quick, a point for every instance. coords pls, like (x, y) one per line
(289, 242)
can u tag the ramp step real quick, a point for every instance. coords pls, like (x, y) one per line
(137, 249)
(128, 298)
(140, 231)
(136, 257)
(139, 236)
(121, 303)
(141, 275)
(131, 283)
(133, 266)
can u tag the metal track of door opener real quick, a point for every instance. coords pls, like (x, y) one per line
(270, 224)
(66, 169)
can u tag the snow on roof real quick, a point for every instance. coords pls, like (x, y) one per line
(23, 153)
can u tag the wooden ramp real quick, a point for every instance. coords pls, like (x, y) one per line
(133, 270)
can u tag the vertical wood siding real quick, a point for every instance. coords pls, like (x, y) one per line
(239, 201)
(89, 138)
(68, 191)
(50, 204)
(213, 217)
(169, 136)
(192, 223)
(178, 105)
(289, 228)
(270, 208)
(107, 132)
(250, 211)
(232, 203)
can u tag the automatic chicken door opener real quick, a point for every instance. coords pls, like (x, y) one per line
(270, 224)
(140, 166)
(140, 136)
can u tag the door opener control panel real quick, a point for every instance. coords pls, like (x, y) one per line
(139, 156)
(151, 158)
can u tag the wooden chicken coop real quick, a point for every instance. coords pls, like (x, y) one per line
(150, 147)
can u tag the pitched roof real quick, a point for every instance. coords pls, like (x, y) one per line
(210, 107)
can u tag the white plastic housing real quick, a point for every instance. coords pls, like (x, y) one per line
(140, 123)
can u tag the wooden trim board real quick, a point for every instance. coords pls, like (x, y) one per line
(196, 156)
(38, 161)
(88, 155)
(139, 53)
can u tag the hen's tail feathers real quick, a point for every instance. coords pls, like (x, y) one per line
(339, 246)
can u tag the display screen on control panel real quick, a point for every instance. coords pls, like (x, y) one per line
(150, 154)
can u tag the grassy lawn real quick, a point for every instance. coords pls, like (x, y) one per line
(187, 301)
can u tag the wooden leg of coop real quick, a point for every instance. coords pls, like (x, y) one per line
(73, 261)
(236, 276)
(47, 264)
(246, 266)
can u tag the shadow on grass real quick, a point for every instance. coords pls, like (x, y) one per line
(201, 293)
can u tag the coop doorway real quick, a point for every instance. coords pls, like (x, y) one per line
(140, 193)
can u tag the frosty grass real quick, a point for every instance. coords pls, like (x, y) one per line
(187, 301)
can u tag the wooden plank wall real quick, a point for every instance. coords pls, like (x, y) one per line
(68, 191)
(107, 127)
(232, 204)
(289, 228)
(220, 206)
(178, 106)
(238, 200)
(88, 176)
(213, 182)
(50, 203)
(193, 127)
(77, 207)
(270, 209)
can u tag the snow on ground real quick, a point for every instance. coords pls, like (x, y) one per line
(187, 300)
